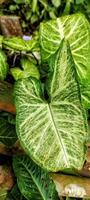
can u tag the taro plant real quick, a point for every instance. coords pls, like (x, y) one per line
(51, 122)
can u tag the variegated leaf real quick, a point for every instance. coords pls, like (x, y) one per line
(3, 65)
(53, 132)
(76, 29)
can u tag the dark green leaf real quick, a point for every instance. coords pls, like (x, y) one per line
(7, 132)
(33, 182)
(15, 194)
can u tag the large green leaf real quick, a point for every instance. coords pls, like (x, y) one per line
(3, 65)
(33, 182)
(7, 132)
(76, 29)
(53, 132)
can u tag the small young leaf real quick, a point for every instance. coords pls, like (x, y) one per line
(19, 44)
(56, 3)
(52, 132)
(29, 69)
(33, 182)
(3, 65)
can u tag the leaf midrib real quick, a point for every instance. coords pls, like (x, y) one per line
(56, 131)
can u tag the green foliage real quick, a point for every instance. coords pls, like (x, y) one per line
(50, 119)
(33, 11)
(33, 182)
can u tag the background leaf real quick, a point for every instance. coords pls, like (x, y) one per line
(3, 65)
(15, 194)
(7, 132)
(56, 3)
(19, 44)
(28, 69)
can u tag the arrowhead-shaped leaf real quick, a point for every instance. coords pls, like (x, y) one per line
(33, 182)
(53, 132)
